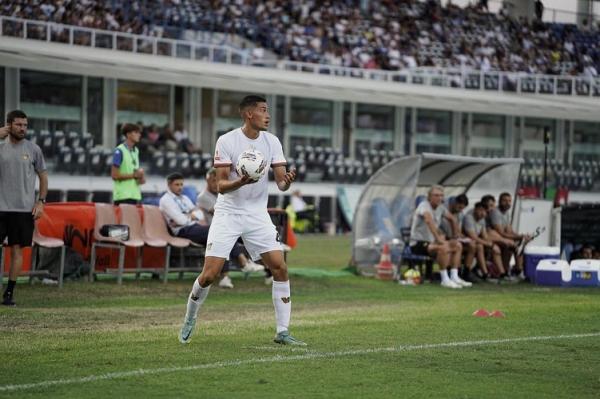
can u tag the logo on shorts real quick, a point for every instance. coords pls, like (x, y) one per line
(217, 156)
(285, 299)
(209, 246)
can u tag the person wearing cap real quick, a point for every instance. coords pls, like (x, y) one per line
(126, 172)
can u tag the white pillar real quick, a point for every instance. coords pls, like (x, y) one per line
(109, 112)
(192, 120)
(12, 93)
(84, 104)
(352, 127)
(287, 117)
(399, 129)
(337, 128)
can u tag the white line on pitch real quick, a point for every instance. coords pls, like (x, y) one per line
(280, 358)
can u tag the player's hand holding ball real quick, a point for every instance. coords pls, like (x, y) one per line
(251, 166)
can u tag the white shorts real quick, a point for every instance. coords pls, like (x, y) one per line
(257, 231)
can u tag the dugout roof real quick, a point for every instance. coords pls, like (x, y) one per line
(385, 207)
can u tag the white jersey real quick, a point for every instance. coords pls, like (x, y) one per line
(251, 198)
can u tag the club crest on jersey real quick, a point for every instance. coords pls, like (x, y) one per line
(209, 246)
(25, 157)
(285, 299)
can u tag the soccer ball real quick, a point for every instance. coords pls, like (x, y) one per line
(251, 163)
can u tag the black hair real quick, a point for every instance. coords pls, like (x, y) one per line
(487, 198)
(130, 127)
(12, 115)
(461, 199)
(174, 176)
(479, 205)
(251, 101)
(505, 194)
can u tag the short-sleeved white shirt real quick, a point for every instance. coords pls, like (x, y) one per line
(250, 198)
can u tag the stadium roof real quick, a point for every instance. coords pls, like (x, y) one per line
(61, 58)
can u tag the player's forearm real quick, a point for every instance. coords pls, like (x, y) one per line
(227, 186)
(43, 185)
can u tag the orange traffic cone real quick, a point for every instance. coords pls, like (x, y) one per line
(385, 268)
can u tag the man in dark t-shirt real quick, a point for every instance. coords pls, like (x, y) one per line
(20, 162)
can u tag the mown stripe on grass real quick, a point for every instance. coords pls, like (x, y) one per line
(281, 358)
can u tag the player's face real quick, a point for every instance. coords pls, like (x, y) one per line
(18, 128)
(436, 197)
(260, 117)
(479, 213)
(134, 136)
(505, 203)
(176, 187)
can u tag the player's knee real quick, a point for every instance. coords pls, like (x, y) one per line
(496, 250)
(472, 246)
(278, 266)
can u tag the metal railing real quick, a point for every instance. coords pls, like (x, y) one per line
(507, 82)
(490, 81)
(112, 40)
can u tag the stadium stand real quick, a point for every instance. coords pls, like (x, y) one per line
(389, 35)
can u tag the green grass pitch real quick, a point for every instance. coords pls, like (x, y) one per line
(366, 339)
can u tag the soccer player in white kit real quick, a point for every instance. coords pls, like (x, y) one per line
(241, 211)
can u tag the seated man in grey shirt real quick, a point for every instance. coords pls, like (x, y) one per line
(427, 239)
(474, 228)
(456, 208)
(501, 232)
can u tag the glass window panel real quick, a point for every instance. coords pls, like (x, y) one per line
(228, 115)
(147, 103)
(311, 122)
(487, 135)
(374, 127)
(532, 137)
(51, 101)
(586, 141)
(95, 108)
(2, 95)
(433, 131)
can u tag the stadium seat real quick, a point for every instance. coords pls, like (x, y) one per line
(59, 141)
(156, 234)
(65, 159)
(105, 215)
(77, 196)
(102, 196)
(79, 163)
(41, 241)
(45, 143)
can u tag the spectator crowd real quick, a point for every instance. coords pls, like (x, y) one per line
(389, 34)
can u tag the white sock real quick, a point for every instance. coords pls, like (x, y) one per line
(282, 304)
(444, 275)
(195, 300)
(454, 275)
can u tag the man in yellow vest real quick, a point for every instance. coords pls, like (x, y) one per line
(126, 172)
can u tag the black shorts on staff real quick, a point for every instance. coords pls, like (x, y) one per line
(420, 248)
(18, 227)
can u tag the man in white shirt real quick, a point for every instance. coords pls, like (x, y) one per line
(187, 221)
(241, 211)
(206, 201)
